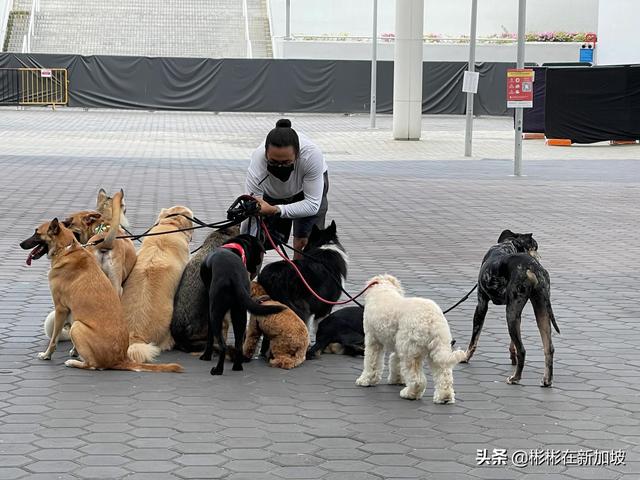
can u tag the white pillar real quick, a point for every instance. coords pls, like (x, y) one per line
(468, 135)
(407, 70)
(522, 25)
(287, 21)
(374, 65)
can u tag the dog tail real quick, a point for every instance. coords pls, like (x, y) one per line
(48, 327)
(446, 356)
(551, 315)
(149, 367)
(107, 243)
(254, 307)
(142, 352)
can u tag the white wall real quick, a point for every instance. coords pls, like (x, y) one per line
(618, 23)
(450, 17)
(535, 52)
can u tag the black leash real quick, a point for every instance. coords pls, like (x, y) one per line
(463, 299)
(242, 208)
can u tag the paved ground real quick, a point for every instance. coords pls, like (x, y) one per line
(428, 221)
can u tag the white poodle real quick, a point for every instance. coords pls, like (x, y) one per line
(412, 329)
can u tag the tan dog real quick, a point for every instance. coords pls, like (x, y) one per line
(147, 299)
(99, 331)
(288, 335)
(116, 257)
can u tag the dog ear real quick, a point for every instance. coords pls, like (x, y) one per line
(54, 227)
(90, 218)
(102, 197)
(505, 234)
(333, 227)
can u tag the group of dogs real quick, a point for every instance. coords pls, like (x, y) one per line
(121, 307)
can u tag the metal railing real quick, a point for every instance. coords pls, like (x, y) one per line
(27, 40)
(33, 86)
(245, 12)
(4, 20)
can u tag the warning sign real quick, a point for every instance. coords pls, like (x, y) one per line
(520, 88)
(45, 73)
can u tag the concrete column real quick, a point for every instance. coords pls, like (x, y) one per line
(407, 70)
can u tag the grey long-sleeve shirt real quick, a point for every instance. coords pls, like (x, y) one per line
(306, 177)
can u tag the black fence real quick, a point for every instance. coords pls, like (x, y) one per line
(9, 86)
(260, 85)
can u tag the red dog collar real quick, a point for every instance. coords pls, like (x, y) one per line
(238, 248)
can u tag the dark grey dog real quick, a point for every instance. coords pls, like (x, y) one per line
(511, 275)
(189, 324)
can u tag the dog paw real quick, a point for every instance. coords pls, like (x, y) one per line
(69, 363)
(363, 382)
(205, 357)
(408, 394)
(545, 383)
(512, 380)
(444, 400)
(216, 371)
(44, 356)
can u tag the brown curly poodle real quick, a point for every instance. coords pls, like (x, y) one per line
(287, 333)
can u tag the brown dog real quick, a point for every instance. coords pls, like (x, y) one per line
(78, 286)
(289, 338)
(147, 299)
(116, 256)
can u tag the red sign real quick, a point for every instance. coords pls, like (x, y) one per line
(45, 73)
(520, 88)
(591, 38)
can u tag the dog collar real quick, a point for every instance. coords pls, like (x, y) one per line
(238, 248)
(103, 227)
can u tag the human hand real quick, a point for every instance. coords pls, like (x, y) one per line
(267, 209)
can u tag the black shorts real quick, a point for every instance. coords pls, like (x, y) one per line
(280, 228)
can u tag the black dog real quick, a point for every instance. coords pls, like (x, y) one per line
(324, 267)
(189, 323)
(225, 273)
(343, 327)
(511, 275)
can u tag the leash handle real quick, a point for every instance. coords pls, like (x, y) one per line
(295, 267)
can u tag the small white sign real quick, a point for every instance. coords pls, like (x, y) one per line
(470, 82)
(45, 73)
(519, 104)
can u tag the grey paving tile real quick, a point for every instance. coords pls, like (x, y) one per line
(429, 223)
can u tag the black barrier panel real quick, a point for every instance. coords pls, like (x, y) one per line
(595, 104)
(259, 85)
(533, 118)
(9, 86)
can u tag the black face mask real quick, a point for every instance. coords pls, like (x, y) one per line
(281, 173)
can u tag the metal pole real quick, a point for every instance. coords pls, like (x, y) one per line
(287, 35)
(468, 135)
(522, 23)
(374, 64)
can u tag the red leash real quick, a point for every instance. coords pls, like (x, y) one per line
(295, 267)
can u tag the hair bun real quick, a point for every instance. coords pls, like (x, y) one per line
(283, 123)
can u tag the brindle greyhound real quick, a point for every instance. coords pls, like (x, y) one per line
(511, 275)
